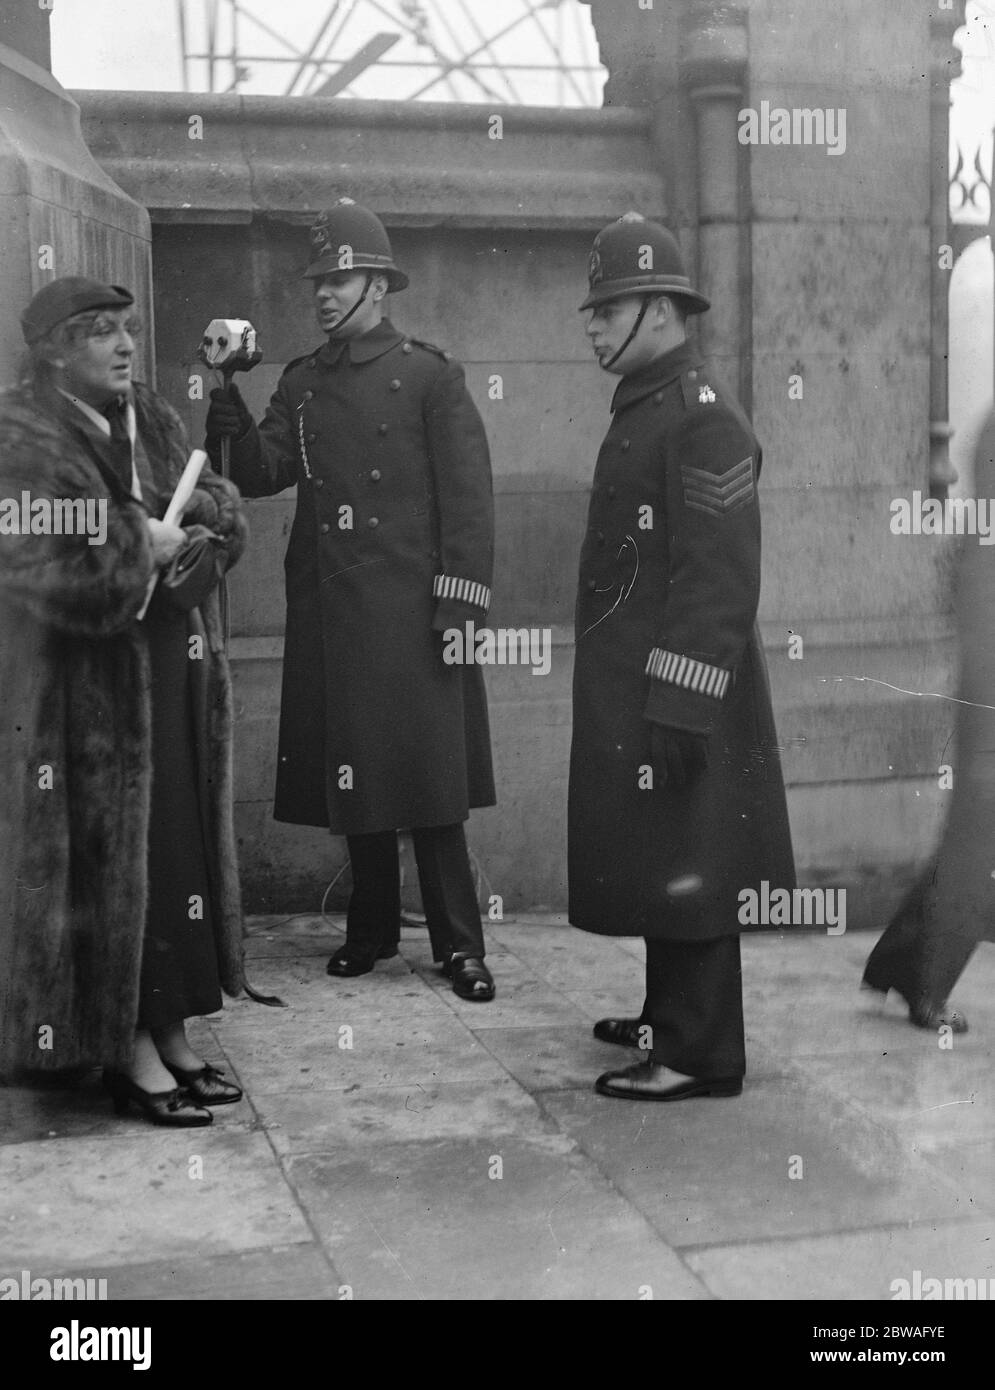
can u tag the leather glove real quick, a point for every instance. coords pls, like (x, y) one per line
(228, 416)
(679, 757)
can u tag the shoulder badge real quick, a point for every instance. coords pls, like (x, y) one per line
(697, 389)
(305, 358)
(431, 347)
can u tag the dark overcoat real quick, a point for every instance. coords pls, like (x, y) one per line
(75, 726)
(960, 887)
(665, 634)
(392, 543)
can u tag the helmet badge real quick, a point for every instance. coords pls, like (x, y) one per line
(595, 270)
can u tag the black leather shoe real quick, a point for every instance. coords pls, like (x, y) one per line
(649, 1081)
(623, 1031)
(207, 1086)
(925, 1012)
(348, 961)
(471, 978)
(171, 1108)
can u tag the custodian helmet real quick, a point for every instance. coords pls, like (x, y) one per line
(350, 237)
(635, 256)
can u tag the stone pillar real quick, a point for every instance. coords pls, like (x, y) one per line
(59, 212)
(713, 69)
(24, 27)
(944, 67)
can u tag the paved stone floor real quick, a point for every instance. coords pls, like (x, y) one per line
(399, 1143)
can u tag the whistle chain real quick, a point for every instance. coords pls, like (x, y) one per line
(300, 436)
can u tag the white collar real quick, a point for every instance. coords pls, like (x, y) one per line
(97, 417)
(103, 424)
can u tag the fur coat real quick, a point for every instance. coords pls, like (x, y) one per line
(75, 730)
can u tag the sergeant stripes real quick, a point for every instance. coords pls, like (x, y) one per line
(718, 493)
(464, 590)
(688, 673)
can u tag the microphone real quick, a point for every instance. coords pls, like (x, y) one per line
(228, 346)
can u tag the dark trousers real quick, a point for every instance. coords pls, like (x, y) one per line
(918, 955)
(448, 894)
(694, 1005)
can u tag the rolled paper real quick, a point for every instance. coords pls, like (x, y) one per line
(177, 503)
(185, 487)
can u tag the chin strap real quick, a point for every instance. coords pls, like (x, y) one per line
(366, 289)
(632, 333)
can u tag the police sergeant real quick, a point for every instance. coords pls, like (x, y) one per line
(676, 799)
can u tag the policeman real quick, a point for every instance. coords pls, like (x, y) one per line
(392, 543)
(676, 800)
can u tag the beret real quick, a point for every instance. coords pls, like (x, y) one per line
(73, 294)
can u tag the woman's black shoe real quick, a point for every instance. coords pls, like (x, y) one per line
(348, 961)
(161, 1107)
(206, 1086)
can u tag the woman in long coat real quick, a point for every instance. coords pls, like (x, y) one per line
(119, 903)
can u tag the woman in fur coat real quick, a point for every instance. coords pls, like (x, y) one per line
(119, 902)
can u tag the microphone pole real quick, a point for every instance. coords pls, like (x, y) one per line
(228, 346)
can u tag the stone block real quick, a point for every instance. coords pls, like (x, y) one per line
(301, 1054)
(297, 1272)
(722, 1172)
(846, 533)
(847, 430)
(819, 288)
(62, 1198)
(851, 1265)
(365, 1117)
(873, 175)
(878, 831)
(564, 1231)
(428, 162)
(884, 49)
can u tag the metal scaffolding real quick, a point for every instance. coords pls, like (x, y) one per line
(457, 50)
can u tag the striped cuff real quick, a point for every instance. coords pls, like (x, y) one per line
(463, 590)
(688, 673)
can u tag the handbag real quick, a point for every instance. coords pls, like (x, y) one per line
(195, 569)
